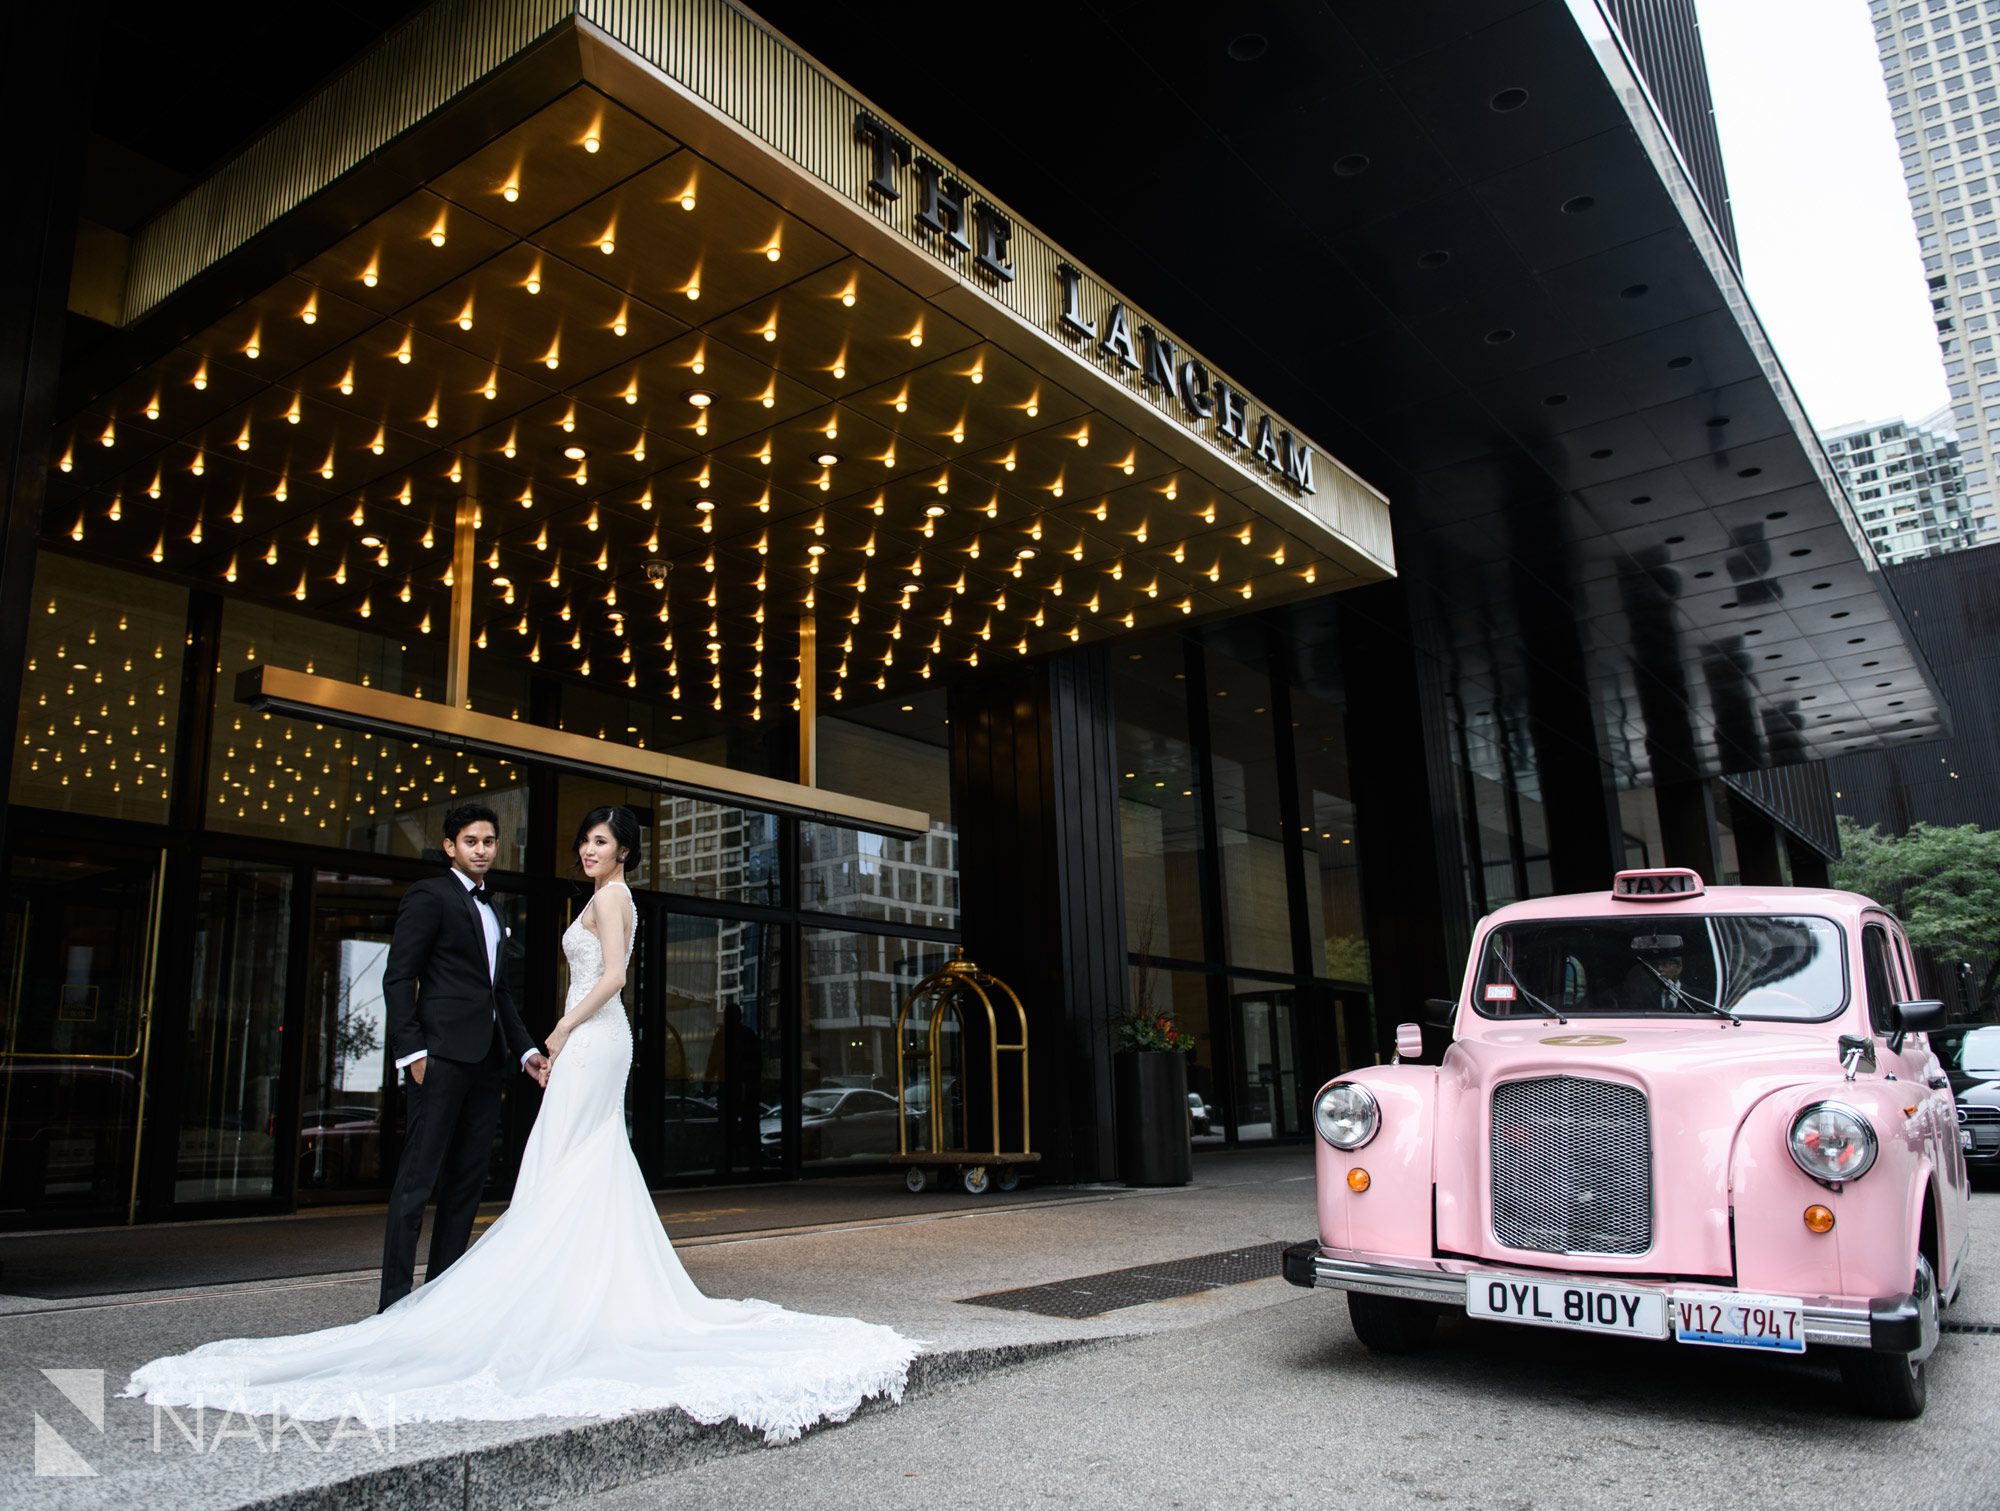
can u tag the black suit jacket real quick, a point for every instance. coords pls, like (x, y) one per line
(439, 997)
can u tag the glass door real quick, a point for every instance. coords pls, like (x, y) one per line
(1267, 1076)
(77, 938)
(709, 1023)
(348, 1119)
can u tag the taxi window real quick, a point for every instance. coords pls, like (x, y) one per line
(1657, 964)
(1878, 967)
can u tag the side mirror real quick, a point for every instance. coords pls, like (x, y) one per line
(1919, 1017)
(1409, 1041)
(1440, 1012)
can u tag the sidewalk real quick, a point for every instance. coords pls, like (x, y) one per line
(866, 1249)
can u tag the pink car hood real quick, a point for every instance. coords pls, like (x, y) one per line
(1700, 1078)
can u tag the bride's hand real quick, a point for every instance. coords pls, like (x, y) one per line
(558, 1036)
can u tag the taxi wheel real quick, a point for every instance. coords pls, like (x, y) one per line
(1893, 1386)
(1391, 1325)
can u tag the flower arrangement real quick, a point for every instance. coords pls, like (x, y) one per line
(1154, 1031)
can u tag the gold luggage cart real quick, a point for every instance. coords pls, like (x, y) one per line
(961, 985)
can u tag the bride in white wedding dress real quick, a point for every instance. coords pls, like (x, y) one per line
(574, 1302)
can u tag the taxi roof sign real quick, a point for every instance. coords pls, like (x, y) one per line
(1656, 886)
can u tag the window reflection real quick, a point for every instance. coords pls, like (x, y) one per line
(892, 753)
(1184, 995)
(855, 986)
(100, 692)
(1338, 939)
(1159, 807)
(290, 779)
(1249, 830)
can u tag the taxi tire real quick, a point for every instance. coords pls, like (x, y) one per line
(1390, 1324)
(1890, 1386)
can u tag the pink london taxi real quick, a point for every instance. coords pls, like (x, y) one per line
(1705, 1115)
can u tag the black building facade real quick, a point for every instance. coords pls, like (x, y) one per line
(1319, 483)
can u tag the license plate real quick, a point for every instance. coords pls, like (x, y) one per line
(1774, 1323)
(1585, 1308)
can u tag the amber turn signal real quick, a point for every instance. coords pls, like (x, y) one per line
(1357, 1180)
(1819, 1219)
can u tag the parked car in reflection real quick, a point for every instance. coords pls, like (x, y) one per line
(1201, 1117)
(840, 1122)
(1976, 1067)
(340, 1146)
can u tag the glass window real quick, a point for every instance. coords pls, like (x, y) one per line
(855, 985)
(100, 692)
(1159, 807)
(282, 778)
(236, 1009)
(1249, 829)
(894, 753)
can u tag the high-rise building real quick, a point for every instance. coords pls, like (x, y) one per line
(1664, 39)
(1907, 484)
(1937, 62)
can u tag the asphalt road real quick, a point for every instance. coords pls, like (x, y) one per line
(1278, 1405)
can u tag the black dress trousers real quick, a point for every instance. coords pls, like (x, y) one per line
(451, 1120)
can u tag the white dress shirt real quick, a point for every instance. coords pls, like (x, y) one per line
(491, 922)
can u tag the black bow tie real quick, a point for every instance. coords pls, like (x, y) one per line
(480, 894)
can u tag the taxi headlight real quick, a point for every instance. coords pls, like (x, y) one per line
(1347, 1115)
(1831, 1142)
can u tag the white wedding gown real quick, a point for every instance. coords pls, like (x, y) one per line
(572, 1304)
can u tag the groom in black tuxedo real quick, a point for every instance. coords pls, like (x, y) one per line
(454, 1027)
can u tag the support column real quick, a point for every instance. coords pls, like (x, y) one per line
(1688, 834)
(808, 700)
(1809, 867)
(1042, 885)
(458, 646)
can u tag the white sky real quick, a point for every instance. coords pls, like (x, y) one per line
(1822, 219)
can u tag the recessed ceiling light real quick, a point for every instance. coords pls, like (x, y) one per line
(826, 459)
(574, 453)
(701, 398)
(935, 510)
(704, 504)
(909, 708)
(616, 616)
(503, 582)
(1026, 553)
(371, 540)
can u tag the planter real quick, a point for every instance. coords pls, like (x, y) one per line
(1154, 1145)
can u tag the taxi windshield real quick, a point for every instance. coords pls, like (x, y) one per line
(1674, 966)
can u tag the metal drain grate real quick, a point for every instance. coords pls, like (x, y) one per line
(1987, 1328)
(1094, 1295)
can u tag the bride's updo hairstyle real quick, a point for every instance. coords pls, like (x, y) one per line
(624, 827)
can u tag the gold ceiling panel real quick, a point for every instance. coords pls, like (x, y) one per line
(408, 380)
(719, 250)
(549, 165)
(841, 329)
(744, 397)
(420, 244)
(524, 308)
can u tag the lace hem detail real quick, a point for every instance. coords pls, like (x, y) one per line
(782, 1408)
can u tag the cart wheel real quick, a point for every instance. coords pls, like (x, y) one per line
(1008, 1178)
(917, 1178)
(975, 1179)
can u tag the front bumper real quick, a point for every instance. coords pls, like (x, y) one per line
(1891, 1325)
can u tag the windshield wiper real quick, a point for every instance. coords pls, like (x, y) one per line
(1681, 994)
(1522, 988)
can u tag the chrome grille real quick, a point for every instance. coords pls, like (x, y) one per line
(1572, 1167)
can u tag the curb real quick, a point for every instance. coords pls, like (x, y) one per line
(564, 1463)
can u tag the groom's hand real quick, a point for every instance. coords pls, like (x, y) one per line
(417, 1069)
(537, 1065)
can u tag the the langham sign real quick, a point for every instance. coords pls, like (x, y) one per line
(963, 230)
